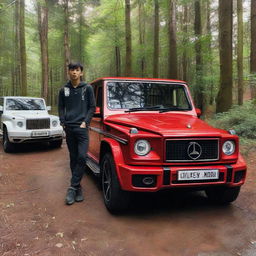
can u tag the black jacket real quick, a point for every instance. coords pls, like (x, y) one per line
(76, 105)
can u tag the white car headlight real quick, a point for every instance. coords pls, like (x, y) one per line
(20, 124)
(142, 147)
(229, 147)
(54, 123)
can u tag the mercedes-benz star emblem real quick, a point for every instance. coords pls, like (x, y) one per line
(194, 150)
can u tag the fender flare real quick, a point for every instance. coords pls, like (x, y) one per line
(117, 154)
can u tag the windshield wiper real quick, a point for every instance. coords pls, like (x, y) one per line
(153, 108)
(172, 109)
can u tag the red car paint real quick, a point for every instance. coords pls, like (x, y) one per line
(111, 128)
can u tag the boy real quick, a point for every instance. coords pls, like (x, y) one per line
(76, 107)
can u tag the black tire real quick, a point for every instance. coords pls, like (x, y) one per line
(115, 199)
(56, 143)
(7, 145)
(222, 195)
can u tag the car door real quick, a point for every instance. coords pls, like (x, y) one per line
(96, 125)
(1, 112)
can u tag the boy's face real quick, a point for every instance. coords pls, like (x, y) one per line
(75, 74)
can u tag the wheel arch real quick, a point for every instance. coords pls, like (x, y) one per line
(112, 146)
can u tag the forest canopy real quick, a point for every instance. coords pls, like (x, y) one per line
(208, 44)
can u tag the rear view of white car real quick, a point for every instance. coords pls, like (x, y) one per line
(26, 120)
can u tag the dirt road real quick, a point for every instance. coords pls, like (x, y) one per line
(35, 221)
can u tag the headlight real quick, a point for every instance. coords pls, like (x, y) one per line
(54, 123)
(20, 124)
(142, 147)
(228, 147)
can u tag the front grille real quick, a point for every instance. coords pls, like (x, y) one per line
(192, 150)
(33, 124)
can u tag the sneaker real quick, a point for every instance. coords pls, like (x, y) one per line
(79, 195)
(70, 197)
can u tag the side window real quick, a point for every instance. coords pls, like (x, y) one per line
(1, 102)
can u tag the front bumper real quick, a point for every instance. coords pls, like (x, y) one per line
(28, 137)
(131, 177)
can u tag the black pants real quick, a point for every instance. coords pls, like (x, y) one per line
(77, 141)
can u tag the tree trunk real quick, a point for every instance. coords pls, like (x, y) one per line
(43, 35)
(142, 37)
(224, 98)
(240, 51)
(209, 32)
(128, 39)
(199, 96)
(118, 61)
(253, 50)
(66, 40)
(172, 58)
(156, 41)
(185, 42)
(23, 58)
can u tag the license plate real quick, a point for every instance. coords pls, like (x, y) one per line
(212, 174)
(40, 133)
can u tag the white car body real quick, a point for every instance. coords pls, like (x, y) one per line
(25, 125)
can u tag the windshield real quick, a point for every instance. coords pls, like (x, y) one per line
(25, 104)
(146, 95)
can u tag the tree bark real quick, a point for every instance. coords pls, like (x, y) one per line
(185, 41)
(172, 58)
(199, 96)
(66, 39)
(240, 43)
(128, 39)
(253, 50)
(23, 58)
(224, 98)
(43, 35)
(156, 40)
(142, 37)
(118, 61)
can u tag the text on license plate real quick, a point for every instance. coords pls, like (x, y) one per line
(212, 174)
(40, 133)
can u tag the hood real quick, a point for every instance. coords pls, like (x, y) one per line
(166, 124)
(82, 84)
(30, 114)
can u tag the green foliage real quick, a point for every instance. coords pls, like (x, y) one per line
(242, 119)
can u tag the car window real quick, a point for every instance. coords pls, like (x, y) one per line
(2, 102)
(125, 95)
(25, 104)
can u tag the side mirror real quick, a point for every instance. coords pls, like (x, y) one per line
(97, 112)
(49, 108)
(198, 112)
(1, 109)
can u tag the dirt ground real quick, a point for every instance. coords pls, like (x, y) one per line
(34, 219)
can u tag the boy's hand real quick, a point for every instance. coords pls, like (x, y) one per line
(83, 125)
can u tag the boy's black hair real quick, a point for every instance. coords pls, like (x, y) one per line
(74, 65)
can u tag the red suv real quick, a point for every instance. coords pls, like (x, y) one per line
(146, 135)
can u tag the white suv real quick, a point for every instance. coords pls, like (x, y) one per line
(25, 120)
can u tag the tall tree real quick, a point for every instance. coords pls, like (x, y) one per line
(199, 96)
(172, 58)
(185, 42)
(240, 44)
(128, 39)
(224, 98)
(42, 9)
(23, 57)
(66, 39)
(156, 40)
(142, 36)
(253, 49)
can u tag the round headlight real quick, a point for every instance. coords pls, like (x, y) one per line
(228, 147)
(142, 147)
(54, 123)
(20, 124)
